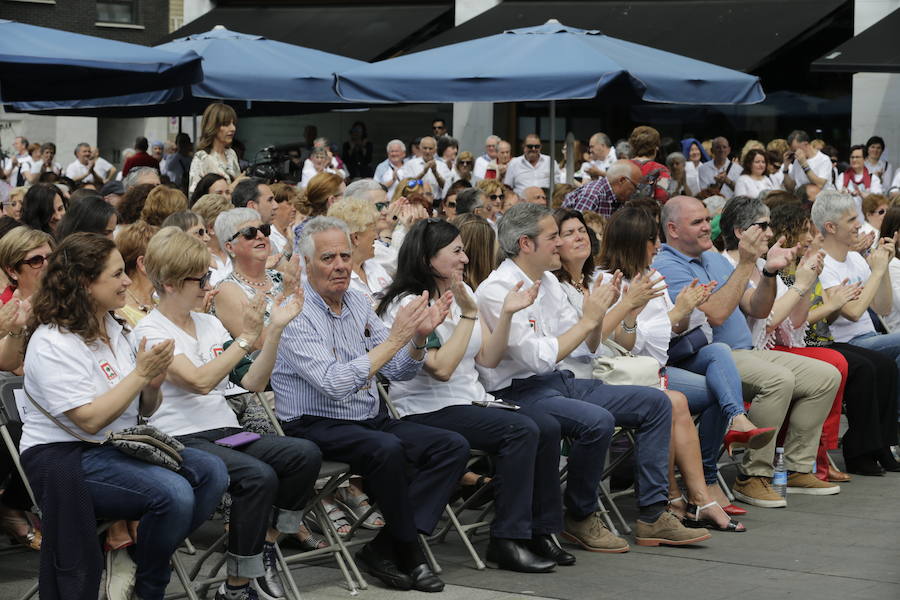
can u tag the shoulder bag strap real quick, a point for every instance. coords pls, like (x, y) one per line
(58, 422)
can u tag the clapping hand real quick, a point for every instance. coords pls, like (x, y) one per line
(863, 242)
(644, 287)
(809, 269)
(435, 314)
(841, 294)
(464, 299)
(286, 307)
(778, 258)
(693, 295)
(517, 298)
(601, 297)
(152, 363)
(9, 315)
(254, 314)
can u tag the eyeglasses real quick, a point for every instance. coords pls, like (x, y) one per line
(496, 196)
(533, 146)
(249, 233)
(451, 204)
(465, 162)
(35, 262)
(631, 181)
(202, 281)
(380, 206)
(200, 232)
(764, 225)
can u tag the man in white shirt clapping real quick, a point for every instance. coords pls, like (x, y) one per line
(426, 168)
(532, 168)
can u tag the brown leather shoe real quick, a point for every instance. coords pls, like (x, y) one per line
(836, 476)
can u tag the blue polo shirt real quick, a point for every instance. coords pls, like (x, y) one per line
(680, 270)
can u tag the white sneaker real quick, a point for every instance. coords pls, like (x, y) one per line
(120, 574)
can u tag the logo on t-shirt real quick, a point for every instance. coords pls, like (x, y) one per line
(217, 350)
(108, 370)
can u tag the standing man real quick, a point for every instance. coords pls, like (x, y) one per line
(324, 382)
(532, 168)
(718, 175)
(102, 167)
(140, 158)
(427, 168)
(17, 168)
(809, 165)
(438, 128)
(603, 155)
(387, 173)
(84, 169)
(489, 156)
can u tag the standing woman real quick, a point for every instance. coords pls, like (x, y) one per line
(875, 161)
(86, 369)
(857, 180)
(214, 153)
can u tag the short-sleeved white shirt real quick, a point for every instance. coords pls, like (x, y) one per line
(63, 372)
(423, 393)
(856, 270)
(416, 165)
(707, 172)
(76, 170)
(521, 174)
(183, 412)
(820, 164)
(378, 280)
(747, 186)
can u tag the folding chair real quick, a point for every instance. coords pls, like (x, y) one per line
(453, 519)
(9, 413)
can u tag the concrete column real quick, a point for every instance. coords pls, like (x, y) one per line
(876, 96)
(472, 121)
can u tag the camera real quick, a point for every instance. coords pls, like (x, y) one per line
(270, 164)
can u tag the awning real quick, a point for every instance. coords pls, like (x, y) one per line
(874, 50)
(736, 34)
(361, 32)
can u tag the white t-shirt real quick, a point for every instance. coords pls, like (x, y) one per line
(856, 270)
(820, 164)
(481, 165)
(423, 393)
(893, 320)
(692, 177)
(707, 174)
(883, 166)
(37, 165)
(747, 186)
(309, 171)
(278, 241)
(76, 170)
(183, 412)
(102, 167)
(378, 280)
(62, 372)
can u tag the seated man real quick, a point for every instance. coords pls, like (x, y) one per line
(778, 379)
(324, 382)
(836, 217)
(585, 410)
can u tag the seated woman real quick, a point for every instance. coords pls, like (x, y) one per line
(869, 378)
(209, 207)
(874, 206)
(445, 393)
(161, 202)
(368, 276)
(12, 206)
(480, 245)
(647, 319)
(211, 183)
(43, 207)
(755, 179)
(87, 370)
(190, 222)
(323, 190)
(131, 242)
(92, 214)
(267, 471)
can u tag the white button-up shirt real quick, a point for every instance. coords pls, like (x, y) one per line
(707, 173)
(521, 174)
(603, 165)
(415, 166)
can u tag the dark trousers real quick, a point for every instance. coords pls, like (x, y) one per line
(870, 398)
(587, 411)
(409, 469)
(15, 495)
(526, 477)
(272, 471)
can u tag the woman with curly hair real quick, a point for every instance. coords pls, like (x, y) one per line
(132, 203)
(161, 202)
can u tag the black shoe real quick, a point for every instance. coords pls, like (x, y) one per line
(384, 569)
(513, 555)
(269, 585)
(424, 579)
(863, 465)
(887, 461)
(546, 547)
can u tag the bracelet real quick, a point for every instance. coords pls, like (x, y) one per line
(797, 289)
(767, 274)
(806, 168)
(475, 318)
(785, 171)
(16, 335)
(422, 347)
(628, 329)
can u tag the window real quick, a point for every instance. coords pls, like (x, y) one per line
(118, 11)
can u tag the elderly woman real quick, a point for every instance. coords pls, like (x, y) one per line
(12, 207)
(132, 243)
(43, 207)
(271, 476)
(645, 143)
(874, 207)
(209, 207)
(189, 222)
(755, 179)
(676, 162)
(323, 190)
(161, 202)
(89, 371)
(368, 276)
(321, 162)
(214, 153)
(648, 320)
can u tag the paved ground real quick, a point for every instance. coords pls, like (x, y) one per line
(837, 547)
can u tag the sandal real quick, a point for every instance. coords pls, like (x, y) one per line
(312, 541)
(682, 509)
(358, 506)
(338, 518)
(693, 519)
(467, 491)
(13, 524)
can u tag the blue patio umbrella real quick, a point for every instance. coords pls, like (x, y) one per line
(249, 72)
(38, 63)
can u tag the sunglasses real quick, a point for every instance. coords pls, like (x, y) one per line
(533, 146)
(764, 225)
(414, 183)
(496, 196)
(380, 206)
(451, 204)
(249, 233)
(466, 162)
(202, 281)
(35, 262)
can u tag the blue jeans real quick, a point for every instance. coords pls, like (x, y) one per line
(714, 361)
(587, 411)
(169, 505)
(712, 423)
(888, 344)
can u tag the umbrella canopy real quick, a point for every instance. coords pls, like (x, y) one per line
(249, 72)
(547, 62)
(38, 63)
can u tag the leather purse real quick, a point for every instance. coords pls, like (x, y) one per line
(625, 368)
(686, 345)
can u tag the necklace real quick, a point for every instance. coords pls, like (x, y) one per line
(140, 305)
(240, 277)
(578, 287)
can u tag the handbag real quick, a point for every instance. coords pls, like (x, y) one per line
(686, 345)
(626, 368)
(143, 442)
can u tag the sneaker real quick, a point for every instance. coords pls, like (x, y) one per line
(807, 483)
(758, 492)
(120, 574)
(592, 534)
(667, 530)
(244, 593)
(269, 585)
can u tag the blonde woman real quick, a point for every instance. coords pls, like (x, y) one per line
(214, 153)
(209, 207)
(161, 202)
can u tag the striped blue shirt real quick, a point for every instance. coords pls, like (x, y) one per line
(323, 365)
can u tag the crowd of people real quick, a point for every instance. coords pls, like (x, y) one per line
(756, 293)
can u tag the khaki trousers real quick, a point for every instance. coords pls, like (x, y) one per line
(774, 381)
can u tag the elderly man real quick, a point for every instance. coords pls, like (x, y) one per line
(102, 167)
(387, 173)
(834, 214)
(324, 382)
(778, 380)
(535, 195)
(603, 155)
(808, 165)
(83, 168)
(504, 156)
(531, 168)
(140, 175)
(606, 194)
(718, 175)
(586, 410)
(489, 156)
(427, 168)
(17, 167)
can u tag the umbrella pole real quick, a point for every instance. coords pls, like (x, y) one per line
(194, 122)
(552, 147)
(180, 124)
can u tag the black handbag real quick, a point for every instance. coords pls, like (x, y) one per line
(686, 345)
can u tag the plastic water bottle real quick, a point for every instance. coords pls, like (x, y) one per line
(779, 477)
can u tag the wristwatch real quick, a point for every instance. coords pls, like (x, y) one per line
(243, 345)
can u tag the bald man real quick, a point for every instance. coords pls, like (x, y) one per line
(718, 175)
(535, 195)
(426, 168)
(490, 155)
(605, 195)
(603, 155)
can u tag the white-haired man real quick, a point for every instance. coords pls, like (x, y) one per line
(387, 173)
(603, 155)
(491, 145)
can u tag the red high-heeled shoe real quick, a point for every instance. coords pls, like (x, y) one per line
(734, 511)
(753, 439)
